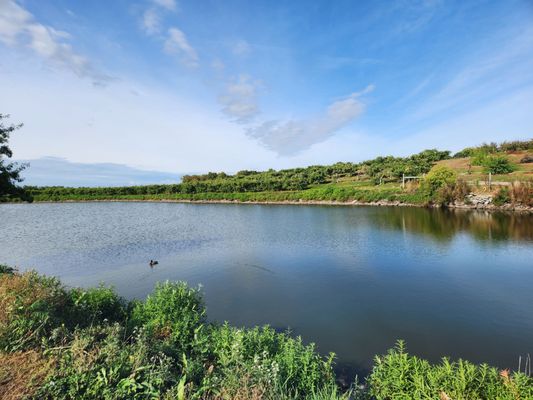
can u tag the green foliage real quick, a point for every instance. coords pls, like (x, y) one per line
(502, 197)
(9, 172)
(98, 363)
(398, 375)
(379, 170)
(31, 305)
(498, 165)
(272, 361)
(88, 306)
(6, 269)
(438, 178)
(492, 148)
(174, 313)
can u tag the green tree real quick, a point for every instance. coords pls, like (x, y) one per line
(498, 165)
(9, 171)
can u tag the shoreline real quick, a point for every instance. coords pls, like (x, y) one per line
(356, 203)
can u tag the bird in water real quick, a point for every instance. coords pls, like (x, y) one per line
(153, 262)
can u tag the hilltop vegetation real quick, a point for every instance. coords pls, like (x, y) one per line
(59, 343)
(368, 181)
(10, 172)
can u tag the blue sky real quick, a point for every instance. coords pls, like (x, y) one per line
(192, 86)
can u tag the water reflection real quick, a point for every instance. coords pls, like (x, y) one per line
(444, 225)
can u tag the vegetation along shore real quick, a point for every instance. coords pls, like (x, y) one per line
(64, 343)
(490, 176)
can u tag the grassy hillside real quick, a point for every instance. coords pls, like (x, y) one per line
(368, 181)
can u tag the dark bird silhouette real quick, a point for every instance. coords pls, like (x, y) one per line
(153, 262)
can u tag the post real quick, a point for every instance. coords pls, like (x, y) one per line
(403, 181)
(490, 180)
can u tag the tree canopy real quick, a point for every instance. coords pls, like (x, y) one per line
(10, 172)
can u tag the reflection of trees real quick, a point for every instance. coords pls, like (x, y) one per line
(443, 225)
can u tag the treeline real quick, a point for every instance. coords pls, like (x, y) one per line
(493, 148)
(378, 170)
(381, 169)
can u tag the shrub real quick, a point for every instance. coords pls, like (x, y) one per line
(438, 178)
(30, 307)
(95, 305)
(100, 364)
(498, 165)
(6, 269)
(528, 158)
(174, 313)
(502, 197)
(263, 359)
(398, 375)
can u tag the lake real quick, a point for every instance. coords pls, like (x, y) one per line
(351, 279)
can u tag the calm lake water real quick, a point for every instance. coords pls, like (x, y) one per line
(351, 279)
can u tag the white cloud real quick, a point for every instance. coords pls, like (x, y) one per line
(241, 48)
(177, 44)
(18, 28)
(151, 18)
(291, 137)
(151, 21)
(239, 100)
(486, 74)
(168, 4)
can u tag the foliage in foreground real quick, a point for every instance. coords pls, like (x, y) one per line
(58, 343)
(398, 375)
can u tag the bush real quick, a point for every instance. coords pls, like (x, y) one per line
(502, 197)
(100, 364)
(528, 158)
(498, 165)
(273, 362)
(437, 182)
(95, 305)
(174, 313)
(398, 375)
(6, 269)
(30, 307)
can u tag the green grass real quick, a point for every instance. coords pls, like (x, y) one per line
(91, 344)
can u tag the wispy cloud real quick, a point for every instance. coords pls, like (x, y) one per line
(168, 4)
(291, 137)
(484, 75)
(151, 21)
(241, 48)
(174, 40)
(417, 14)
(18, 28)
(177, 44)
(240, 99)
(152, 17)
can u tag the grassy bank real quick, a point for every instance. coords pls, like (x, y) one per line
(60, 343)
